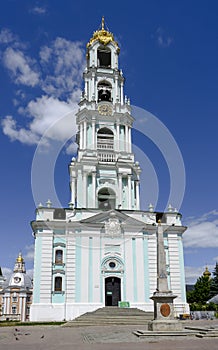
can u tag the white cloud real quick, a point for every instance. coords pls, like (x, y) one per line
(202, 232)
(60, 78)
(163, 40)
(64, 62)
(72, 148)
(192, 273)
(9, 127)
(29, 272)
(49, 116)
(7, 37)
(29, 255)
(46, 112)
(38, 10)
(21, 67)
(6, 272)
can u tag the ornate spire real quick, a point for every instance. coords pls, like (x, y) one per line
(19, 258)
(19, 264)
(102, 23)
(103, 36)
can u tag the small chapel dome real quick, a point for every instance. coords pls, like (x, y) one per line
(19, 278)
(20, 258)
(207, 273)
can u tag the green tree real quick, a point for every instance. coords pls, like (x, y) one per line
(201, 291)
(214, 282)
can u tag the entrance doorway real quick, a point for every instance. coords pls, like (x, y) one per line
(112, 291)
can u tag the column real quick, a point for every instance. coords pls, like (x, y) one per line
(126, 138)
(23, 316)
(20, 307)
(93, 86)
(137, 195)
(85, 133)
(79, 192)
(130, 141)
(116, 88)
(7, 305)
(129, 192)
(73, 190)
(162, 284)
(94, 188)
(120, 190)
(84, 189)
(81, 135)
(121, 93)
(86, 88)
(118, 137)
(93, 134)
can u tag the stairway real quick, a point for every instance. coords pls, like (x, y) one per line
(112, 316)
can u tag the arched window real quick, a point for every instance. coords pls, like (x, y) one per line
(104, 57)
(59, 256)
(105, 139)
(106, 199)
(58, 284)
(104, 91)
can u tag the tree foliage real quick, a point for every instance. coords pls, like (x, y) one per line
(204, 289)
(214, 282)
(201, 291)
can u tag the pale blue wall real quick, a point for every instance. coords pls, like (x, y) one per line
(58, 298)
(78, 265)
(146, 270)
(134, 267)
(90, 271)
(124, 275)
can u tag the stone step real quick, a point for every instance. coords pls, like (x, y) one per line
(112, 316)
(116, 310)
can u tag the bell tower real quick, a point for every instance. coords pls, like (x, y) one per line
(105, 174)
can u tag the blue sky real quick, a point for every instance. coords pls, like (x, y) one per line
(169, 55)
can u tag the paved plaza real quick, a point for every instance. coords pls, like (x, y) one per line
(105, 338)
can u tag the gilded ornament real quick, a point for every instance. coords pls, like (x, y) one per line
(103, 36)
(105, 109)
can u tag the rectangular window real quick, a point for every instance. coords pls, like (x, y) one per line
(14, 299)
(59, 256)
(58, 284)
(14, 310)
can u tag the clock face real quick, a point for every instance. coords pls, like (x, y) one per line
(105, 109)
(17, 279)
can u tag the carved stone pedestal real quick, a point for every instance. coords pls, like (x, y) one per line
(165, 326)
(164, 313)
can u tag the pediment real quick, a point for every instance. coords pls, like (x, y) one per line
(105, 216)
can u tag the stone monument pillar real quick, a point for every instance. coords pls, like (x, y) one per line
(163, 298)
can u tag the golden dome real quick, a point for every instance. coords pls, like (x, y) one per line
(103, 36)
(207, 272)
(20, 258)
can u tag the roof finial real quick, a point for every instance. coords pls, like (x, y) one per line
(102, 23)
